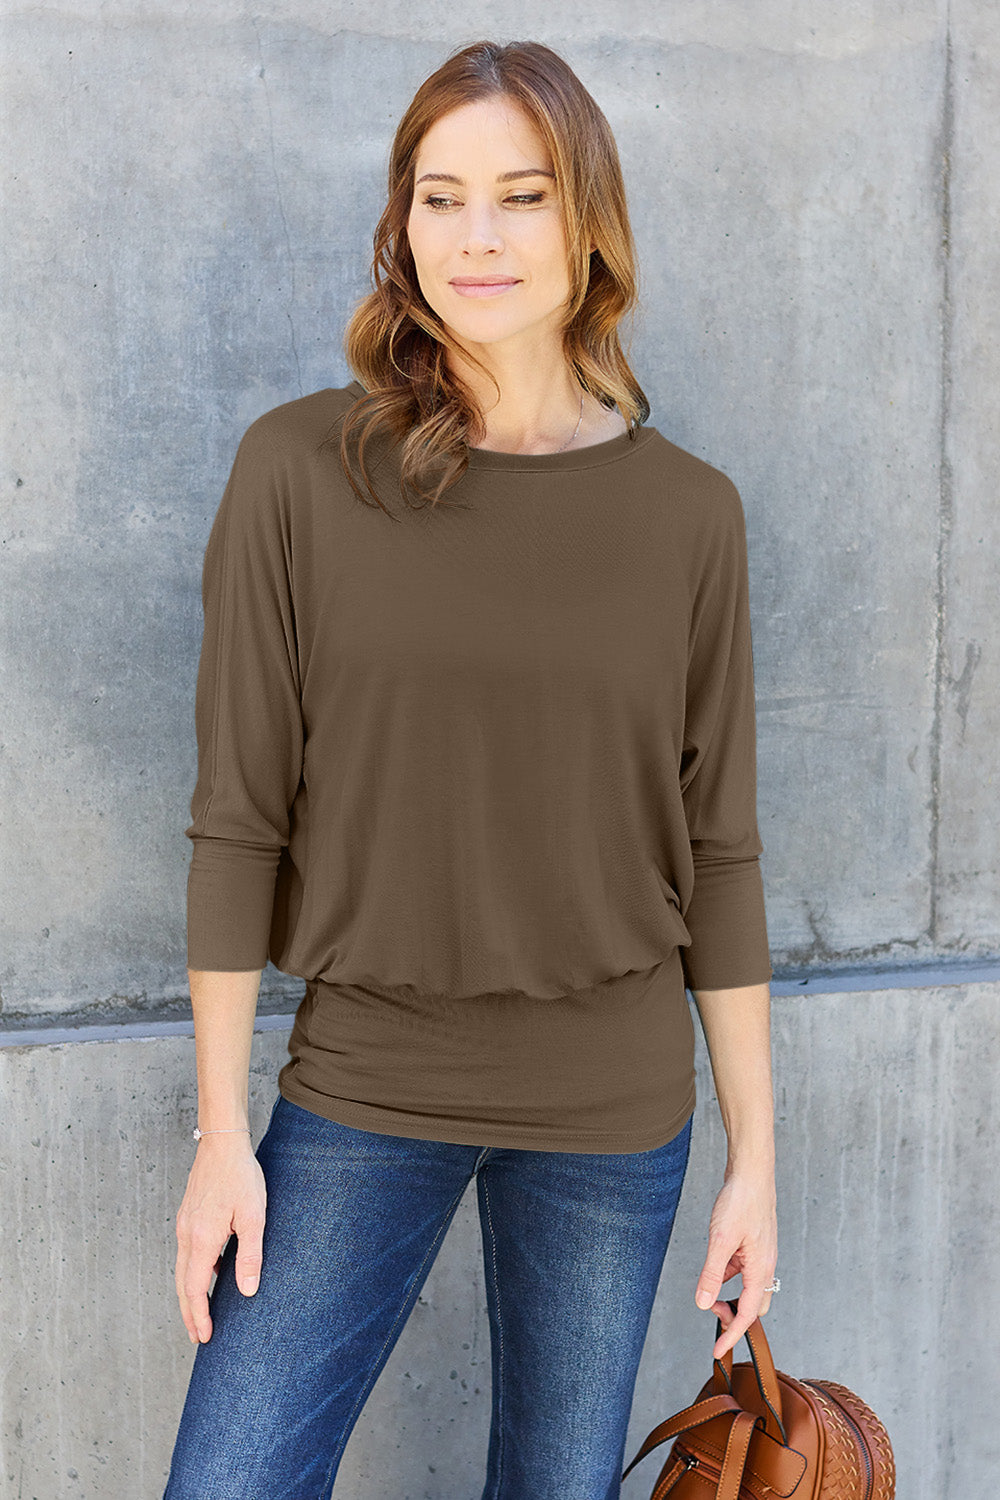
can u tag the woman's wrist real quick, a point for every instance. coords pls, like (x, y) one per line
(228, 1147)
(221, 1109)
(754, 1159)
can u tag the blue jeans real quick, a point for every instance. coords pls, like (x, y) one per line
(574, 1245)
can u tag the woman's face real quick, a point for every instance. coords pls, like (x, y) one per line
(466, 223)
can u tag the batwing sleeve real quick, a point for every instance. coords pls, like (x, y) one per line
(725, 915)
(248, 719)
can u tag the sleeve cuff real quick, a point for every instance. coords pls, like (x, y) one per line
(728, 927)
(230, 898)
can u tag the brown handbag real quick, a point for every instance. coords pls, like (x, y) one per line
(754, 1433)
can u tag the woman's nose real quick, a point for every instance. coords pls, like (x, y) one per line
(480, 228)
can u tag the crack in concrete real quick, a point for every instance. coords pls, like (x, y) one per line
(961, 686)
(946, 498)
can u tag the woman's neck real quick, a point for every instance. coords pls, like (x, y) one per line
(545, 413)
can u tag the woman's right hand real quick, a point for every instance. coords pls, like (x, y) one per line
(225, 1195)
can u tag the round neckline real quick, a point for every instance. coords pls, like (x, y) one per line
(571, 458)
(589, 457)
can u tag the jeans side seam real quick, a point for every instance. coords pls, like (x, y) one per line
(499, 1394)
(375, 1370)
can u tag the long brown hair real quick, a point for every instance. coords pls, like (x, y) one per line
(395, 343)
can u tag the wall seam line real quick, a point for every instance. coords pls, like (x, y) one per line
(945, 975)
(946, 497)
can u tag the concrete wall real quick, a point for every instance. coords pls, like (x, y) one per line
(886, 1119)
(188, 211)
(813, 192)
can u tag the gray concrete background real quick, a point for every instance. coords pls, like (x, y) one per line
(188, 211)
(885, 1232)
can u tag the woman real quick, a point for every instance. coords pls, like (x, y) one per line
(476, 761)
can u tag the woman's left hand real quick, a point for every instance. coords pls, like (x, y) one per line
(742, 1240)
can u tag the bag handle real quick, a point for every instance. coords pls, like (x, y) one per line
(682, 1421)
(763, 1368)
(734, 1462)
(737, 1445)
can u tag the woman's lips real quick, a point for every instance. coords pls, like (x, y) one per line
(488, 289)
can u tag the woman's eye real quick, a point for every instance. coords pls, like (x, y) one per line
(444, 202)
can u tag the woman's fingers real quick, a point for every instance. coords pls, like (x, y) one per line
(225, 1195)
(754, 1302)
(748, 1310)
(180, 1271)
(719, 1266)
(198, 1258)
(724, 1313)
(742, 1241)
(249, 1226)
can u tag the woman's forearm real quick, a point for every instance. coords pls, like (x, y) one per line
(737, 1025)
(742, 1235)
(225, 1193)
(224, 1006)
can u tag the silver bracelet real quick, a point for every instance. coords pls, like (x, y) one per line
(238, 1130)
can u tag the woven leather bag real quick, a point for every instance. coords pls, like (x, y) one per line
(754, 1433)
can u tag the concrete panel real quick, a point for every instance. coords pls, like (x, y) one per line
(194, 197)
(844, 28)
(160, 310)
(813, 194)
(968, 875)
(791, 332)
(887, 1135)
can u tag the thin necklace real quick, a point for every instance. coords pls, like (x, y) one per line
(576, 429)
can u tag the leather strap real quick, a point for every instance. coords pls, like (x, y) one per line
(766, 1375)
(691, 1416)
(735, 1458)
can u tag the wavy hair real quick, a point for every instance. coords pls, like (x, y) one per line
(395, 343)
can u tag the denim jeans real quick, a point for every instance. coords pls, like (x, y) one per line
(573, 1244)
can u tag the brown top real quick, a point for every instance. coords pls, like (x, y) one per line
(484, 777)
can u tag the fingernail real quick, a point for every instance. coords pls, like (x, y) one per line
(704, 1299)
(193, 1337)
(250, 1285)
